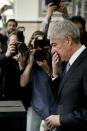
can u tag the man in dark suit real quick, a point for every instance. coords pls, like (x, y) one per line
(72, 87)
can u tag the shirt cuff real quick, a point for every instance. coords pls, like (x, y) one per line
(54, 77)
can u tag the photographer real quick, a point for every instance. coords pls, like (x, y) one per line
(52, 7)
(36, 77)
(9, 73)
(11, 26)
(20, 48)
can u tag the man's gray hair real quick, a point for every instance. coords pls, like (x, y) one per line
(62, 29)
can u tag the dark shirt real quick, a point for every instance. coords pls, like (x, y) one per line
(43, 100)
(3, 42)
(9, 79)
(84, 38)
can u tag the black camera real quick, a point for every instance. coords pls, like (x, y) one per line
(39, 44)
(20, 45)
(55, 2)
(19, 34)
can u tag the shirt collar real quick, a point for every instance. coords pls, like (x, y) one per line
(76, 54)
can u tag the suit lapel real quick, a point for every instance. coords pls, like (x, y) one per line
(71, 70)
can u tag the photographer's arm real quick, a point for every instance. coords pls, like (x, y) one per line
(10, 50)
(50, 9)
(25, 76)
(44, 65)
(21, 58)
(46, 21)
(4, 8)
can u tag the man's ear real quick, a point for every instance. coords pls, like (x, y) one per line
(68, 40)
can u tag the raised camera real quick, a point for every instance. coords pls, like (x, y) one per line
(55, 2)
(40, 53)
(20, 45)
(22, 48)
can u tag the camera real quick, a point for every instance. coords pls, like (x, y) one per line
(39, 44)
(39, 55)
(55, 2)
(19, 34)
(20, 45)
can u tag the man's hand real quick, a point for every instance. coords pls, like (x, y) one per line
(53, 121)
(56, 63)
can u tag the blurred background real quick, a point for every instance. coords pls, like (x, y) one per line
(30, 13)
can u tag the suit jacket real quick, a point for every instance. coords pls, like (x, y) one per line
(72, 96)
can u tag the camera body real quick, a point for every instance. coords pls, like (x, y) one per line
(55, 2)
(20, 45)
(20, 35)
(39, 44)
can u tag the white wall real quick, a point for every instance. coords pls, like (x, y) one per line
(26, 10)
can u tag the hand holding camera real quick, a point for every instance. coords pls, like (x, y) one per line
(11, 50)
(51, 8)
(56, 5)
(55, 2)
(63, 9)
(31, 56)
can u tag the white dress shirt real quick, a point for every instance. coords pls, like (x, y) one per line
(76, 54)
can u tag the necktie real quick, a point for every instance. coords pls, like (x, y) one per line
(67, 66)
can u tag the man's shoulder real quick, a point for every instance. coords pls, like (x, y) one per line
(3, 37)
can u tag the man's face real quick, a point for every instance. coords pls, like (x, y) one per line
(61, 47)
(11, 26)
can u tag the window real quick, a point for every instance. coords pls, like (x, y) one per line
(8, 13)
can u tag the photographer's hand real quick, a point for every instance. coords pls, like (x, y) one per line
(21, 58)
(63, 9)
(12, 39)
(44, 65)
(11, 46)
(10, 50)
(51, 8)
(31, 56)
